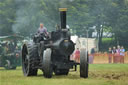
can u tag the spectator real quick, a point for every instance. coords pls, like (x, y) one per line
(110, 55)
(118, 54)
(91, 57)
(77, 55)
(114, 54)
(122, 54)
(11, 47)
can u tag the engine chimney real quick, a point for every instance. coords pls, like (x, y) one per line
(63, 17)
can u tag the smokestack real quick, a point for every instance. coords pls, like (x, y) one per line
(63, 17)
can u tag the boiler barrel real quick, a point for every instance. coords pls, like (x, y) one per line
(65, 47)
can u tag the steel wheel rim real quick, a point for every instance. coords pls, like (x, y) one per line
(25, 61)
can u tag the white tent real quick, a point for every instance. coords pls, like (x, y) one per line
(76, 40)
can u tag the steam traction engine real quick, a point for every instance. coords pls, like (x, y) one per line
(52, 54)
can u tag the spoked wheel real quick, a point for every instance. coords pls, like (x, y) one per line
(61, 71)
(83, 63)
(47, 64)
(27, 60)
(8, 65)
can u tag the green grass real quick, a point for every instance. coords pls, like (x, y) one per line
(99, 74)
(107, 39)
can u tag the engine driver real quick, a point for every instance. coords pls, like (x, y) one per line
(42, 30)
(41, 34)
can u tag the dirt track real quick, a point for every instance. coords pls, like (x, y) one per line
(106, 75)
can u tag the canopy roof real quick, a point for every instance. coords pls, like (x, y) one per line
(11, 37)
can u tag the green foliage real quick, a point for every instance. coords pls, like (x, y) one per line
(24, 16)
(106, 43)
(7, 16)
(79, 18)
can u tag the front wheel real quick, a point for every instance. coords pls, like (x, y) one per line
(83, 63)
(47, 64)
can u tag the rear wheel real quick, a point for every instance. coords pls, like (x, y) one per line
(47, 64)
(29, 53)
(83, 63)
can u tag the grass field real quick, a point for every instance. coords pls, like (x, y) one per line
(99, 74)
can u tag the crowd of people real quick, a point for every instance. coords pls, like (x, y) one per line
(116, 54)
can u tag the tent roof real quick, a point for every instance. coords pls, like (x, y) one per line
(74, 38)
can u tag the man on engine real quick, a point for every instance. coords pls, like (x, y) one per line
(42, 29)
(41, 34)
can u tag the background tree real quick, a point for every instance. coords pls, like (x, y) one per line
(7, 16)
(24, 17)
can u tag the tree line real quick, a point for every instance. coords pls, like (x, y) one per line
(24, 16)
